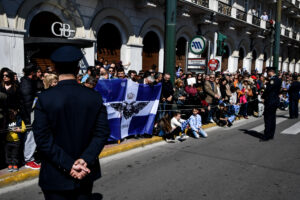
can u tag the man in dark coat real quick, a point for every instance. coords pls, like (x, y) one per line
(294, 98)
(28, 92)
(166, 97)
(70, 129)
(271, 101)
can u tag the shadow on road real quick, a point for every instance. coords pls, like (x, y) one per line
(97, 196)
(282, 116)
(253, 133)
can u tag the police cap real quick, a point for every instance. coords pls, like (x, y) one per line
(66, 54)
(271, 68)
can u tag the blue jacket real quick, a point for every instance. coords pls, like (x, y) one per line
(195, 122)
(70, 123)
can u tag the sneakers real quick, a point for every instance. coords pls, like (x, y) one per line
(184, 136)
(15, 168)
(32, 165)
(10, 168)
(170, 140)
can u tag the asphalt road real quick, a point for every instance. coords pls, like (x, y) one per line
(230, 164)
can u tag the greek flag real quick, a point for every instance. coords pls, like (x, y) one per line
(131, 107)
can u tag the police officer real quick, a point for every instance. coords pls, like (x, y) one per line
(294, 98)
(271, 101)
(70, 129)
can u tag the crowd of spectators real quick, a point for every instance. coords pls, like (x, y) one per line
(192, 101)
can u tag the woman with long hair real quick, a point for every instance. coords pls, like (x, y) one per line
(11, 89)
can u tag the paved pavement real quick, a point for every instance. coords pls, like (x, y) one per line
(230, 164)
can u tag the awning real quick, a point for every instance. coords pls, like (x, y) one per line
(57, 42)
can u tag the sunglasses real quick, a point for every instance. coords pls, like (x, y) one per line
(5, 75)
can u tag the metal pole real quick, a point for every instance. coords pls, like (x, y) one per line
(271, 48)
(170, 37)
(277, 36)
(208, 57)
(186, 56)
(215, 44)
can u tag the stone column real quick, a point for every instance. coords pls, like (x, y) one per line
(133, 53)
(12, 50)
(292, 66)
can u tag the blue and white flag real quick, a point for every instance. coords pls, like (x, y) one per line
(131, 107)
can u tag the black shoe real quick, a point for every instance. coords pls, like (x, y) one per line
(264, 139)
(229, 124)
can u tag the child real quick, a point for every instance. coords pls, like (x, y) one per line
(284, 102)
(221, 116)
(176, 124)
(16, 126)
(261, 106)
(195, 124)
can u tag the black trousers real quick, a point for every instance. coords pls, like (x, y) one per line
(12, 152)
(293, 108)
(174, 133)
(82, 193)
(270, 121)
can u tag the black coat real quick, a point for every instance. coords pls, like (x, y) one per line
(294, 91)
(271, 93)
(70, 123)
(167, 89)
(28, 93)
(13, 97)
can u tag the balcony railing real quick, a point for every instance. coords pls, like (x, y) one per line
(268, 24)
(204, 3)
(287, 33)
(241, 15)
(224, 9)
(256, 21)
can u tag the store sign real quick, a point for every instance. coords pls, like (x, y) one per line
(64, 30)
(197, 45)
(213, 64)
(197, 63)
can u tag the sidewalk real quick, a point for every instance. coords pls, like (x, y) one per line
(24, 174)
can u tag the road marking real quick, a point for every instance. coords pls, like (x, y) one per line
(262, 127)
(293, 130)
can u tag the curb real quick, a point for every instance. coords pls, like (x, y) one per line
(27, 174)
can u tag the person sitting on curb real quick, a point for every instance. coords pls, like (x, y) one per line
(221, 117)
(176, 124)
(196, 124)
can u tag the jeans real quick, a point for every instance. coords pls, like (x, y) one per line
(201, 132)
(29, 146)
(243, 110)
(12, 150)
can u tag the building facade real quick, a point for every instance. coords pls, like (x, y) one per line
(133, 31)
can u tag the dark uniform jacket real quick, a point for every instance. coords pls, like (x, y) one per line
(271, 93)
(70, 123)
(294, 90)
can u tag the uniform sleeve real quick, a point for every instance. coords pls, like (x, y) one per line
(100, 136)
(45, 141)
